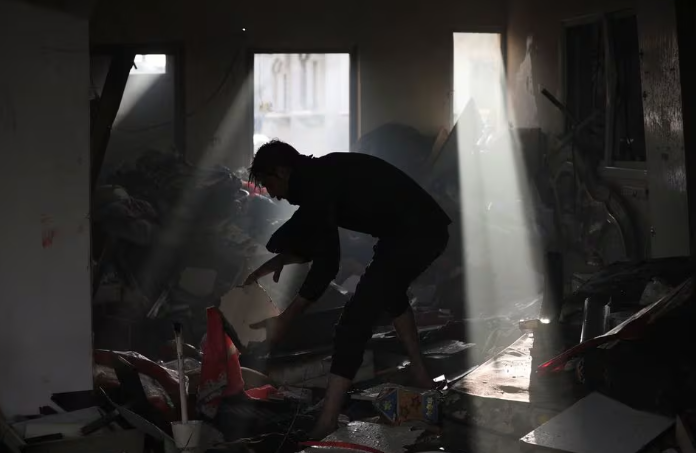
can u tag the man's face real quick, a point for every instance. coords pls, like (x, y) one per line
(276, 184)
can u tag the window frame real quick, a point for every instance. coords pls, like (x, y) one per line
(354, 85)
(608, 165)
(503, 51)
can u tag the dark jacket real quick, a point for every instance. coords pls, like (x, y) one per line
(352, 191)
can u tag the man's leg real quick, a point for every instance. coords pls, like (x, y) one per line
(408, 260)
(382, 287)
(333, 402)
(405, 325)
(353, 331)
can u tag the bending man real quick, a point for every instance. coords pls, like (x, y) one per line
(360, 193)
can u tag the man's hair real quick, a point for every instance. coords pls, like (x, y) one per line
(271, 156)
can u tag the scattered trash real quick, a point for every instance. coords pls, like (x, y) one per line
(401, 404)
(187, 435)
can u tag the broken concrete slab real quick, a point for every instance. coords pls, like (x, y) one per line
(597, 424)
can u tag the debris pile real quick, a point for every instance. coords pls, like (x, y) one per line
(172, 243)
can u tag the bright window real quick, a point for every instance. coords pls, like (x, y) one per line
(303, 99)
(478, 63)
(149, 64)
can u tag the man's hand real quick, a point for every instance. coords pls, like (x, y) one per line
(276, 327)
(273, 266)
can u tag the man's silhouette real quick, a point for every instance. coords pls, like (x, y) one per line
(360, 193)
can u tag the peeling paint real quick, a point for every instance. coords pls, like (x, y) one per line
(524, 94)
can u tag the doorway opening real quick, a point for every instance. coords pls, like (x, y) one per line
(303, 99)
(477, 61)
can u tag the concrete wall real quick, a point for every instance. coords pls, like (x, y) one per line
(404, 55)
(534, 58)
(45, 326)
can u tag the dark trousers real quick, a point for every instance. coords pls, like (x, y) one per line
(398, 260)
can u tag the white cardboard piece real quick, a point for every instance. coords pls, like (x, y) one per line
(598, 424)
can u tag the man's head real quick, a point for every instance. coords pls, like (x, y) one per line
(272, 166)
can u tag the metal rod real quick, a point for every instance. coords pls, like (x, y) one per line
(182, 375)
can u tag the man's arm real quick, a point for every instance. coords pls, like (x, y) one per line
(319, 234)
(274, 266)
(325, 264)
(315, 236)
(323, 270)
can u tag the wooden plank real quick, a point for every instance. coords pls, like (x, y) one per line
(107, 108)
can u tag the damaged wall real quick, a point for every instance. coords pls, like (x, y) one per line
(404, 56)
(664, 128)
(535, 60)
(45, 327)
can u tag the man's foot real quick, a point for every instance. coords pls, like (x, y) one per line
(333, 401)
(321, 430)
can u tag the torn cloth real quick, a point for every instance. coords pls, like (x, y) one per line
(221, 374)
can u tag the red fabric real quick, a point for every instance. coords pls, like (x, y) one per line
(262, 393)
(144, 366)
(221, 374)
